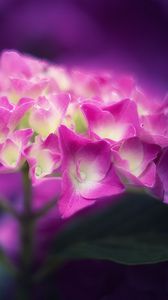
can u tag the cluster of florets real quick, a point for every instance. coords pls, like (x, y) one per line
(96, 132)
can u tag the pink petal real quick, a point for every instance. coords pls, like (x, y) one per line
(4, 102)
(148, 177)
(24, 87)
(71, 201)
(42, 158)
(95, 115)
(150, 153)
(13, 63)
(125, 111)
(23, 136)
(4, 117)
(104, 125)
(70, 143)
(110, 185)
(61, 102)
(131, 150)
(138, 154)
(156, 126)
(51, 142)
(10, 154)
(95, 159)
(20, 110)
(45, 190)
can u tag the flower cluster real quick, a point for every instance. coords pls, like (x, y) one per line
(94, 132)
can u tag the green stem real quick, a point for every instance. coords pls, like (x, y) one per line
(27, 221)
(27, 239)
(45, 209)
(27, 186)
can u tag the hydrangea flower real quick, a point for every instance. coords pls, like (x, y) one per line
(105, 125)
(88, 173)
(135, 160)
(91, 134)
(43, 156)
(12, 149)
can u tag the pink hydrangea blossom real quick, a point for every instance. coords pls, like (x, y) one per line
(43, 156)
(48, 113)
(88, 134)
(135, 161)
(88, 173)
(12, 149)
(106, 125)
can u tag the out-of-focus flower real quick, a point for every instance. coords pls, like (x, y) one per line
(43, 156)
(11, 151)
(104, 124)
(9, 237)
(47, 114)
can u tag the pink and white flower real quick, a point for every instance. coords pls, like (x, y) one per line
(48, 113)
(105, 125)
(12, 150)
(155, 129)
(14, 64)
(89, 130)
(11, 115)
(43, 157)
(134, 160)
(88, 174)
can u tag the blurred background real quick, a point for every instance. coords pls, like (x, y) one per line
(128, 36)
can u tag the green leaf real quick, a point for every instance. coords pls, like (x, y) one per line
(133, 231)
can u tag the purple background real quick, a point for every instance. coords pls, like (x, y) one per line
(123, 34)
(129, 36)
